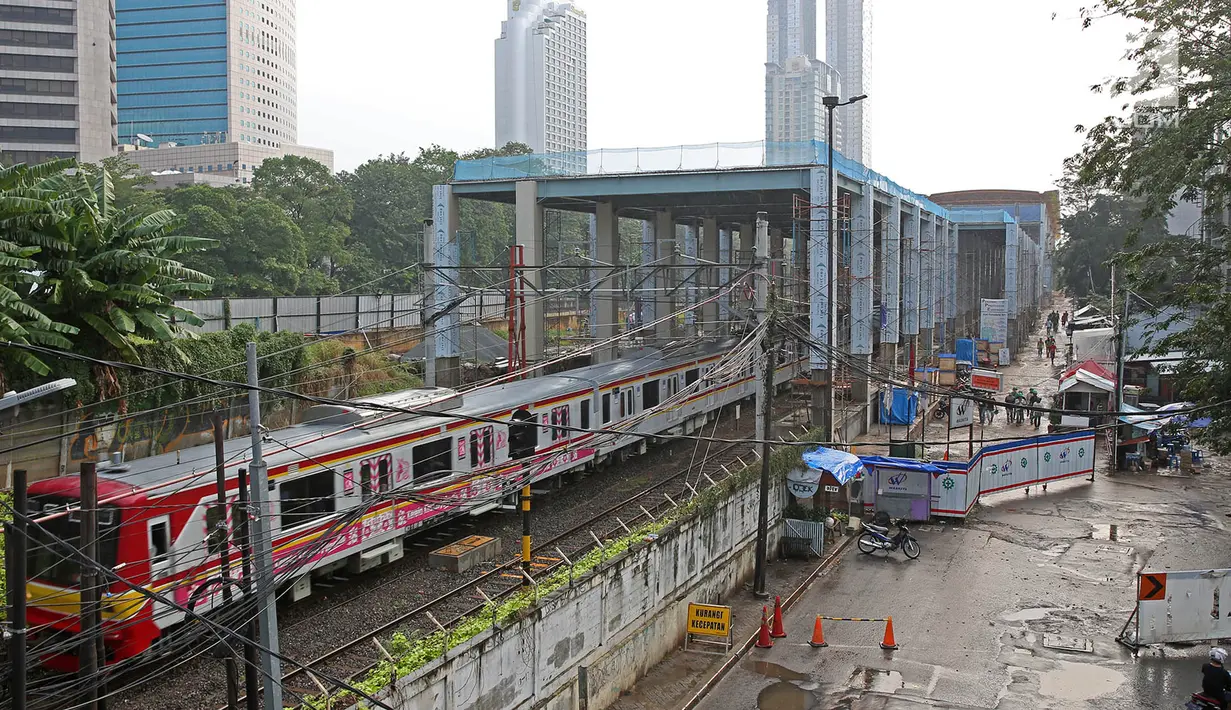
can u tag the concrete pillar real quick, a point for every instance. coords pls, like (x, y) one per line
(690, 276)
(529, 234)
(444, 253)
(863, 268)
(1010, 282)
(607, 236)
(820, 306)
(891, 282)
(726, 255)
(911, 227)
(711, 246)
(648, 278)
(664, 247)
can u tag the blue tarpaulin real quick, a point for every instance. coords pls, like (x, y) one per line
(966, 350)
(844, 467)
(902, 408)
(900, 464)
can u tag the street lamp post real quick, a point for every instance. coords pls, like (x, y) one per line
(831, 343)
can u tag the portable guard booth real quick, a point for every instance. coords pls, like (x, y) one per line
(900, 487)
(829, 471)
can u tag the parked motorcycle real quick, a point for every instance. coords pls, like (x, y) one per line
(876, 537)
(942, 409)
(1200, 702)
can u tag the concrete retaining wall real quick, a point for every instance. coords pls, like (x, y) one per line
(586, 643)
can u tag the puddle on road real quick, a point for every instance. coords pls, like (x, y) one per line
(875, 680)
(773, 670)
(785, 696)
(1033, 614)
(1112, 532)
(1079, 681)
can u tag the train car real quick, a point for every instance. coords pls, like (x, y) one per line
(348, 484)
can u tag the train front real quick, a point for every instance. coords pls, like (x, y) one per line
(53, 591)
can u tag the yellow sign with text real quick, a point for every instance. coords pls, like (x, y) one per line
(709, 620)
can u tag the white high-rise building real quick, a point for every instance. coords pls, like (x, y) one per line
(57, 60)
(541, 77)
(795, 83)
(848, 49)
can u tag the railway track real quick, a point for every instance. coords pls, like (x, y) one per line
(353, 660)
(336, 626)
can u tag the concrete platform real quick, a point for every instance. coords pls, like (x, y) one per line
(464, 554)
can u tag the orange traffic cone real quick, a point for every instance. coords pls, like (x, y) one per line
(946, 454)
(818, 635)
(763, 639)
(777, 631)
(889, 644)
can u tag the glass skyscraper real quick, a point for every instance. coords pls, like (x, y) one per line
(848, 49)
(795, 83)
(206, 71)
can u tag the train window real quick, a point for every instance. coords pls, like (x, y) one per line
(523, 435)
(365, 480)
(160, 542)
(649, 394)
(308, 498)
(691, 376)
(50, 560)
(432, 460)
(215, 527)
(606, 408)
(585, 413)
(382, 473)
(620, 394)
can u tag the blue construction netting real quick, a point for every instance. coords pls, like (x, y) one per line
(681, 158)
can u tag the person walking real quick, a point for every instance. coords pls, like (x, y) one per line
(1040, 348)
(1051, 349)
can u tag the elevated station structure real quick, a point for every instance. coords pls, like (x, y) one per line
(910, 276)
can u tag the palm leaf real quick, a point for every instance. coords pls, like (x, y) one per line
(112, 336)
(121, 320)
(156, 325)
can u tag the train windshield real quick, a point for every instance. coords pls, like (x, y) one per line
(50, 559)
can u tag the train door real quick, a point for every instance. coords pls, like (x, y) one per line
(162, 563)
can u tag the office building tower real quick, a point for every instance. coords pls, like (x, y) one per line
(541, 78)
(57, 97)
(795, 83)
(208, 86)
(848, 49)
(218, 72)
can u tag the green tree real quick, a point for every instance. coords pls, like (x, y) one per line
(113, 274)
(261, 250)
(1170, 141)
(318, 203)
(1096, 235)
(132, 186)
(25, 207)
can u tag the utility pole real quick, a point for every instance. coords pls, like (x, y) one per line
(1122, 337)
(87, 654)
(765, 392)
(429, 307)
(265, 592)
(16, 546)
(252, 680)
(224, 555)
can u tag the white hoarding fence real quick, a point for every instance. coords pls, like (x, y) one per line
(1177, 607)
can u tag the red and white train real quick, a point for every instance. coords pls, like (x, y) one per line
(348, 484)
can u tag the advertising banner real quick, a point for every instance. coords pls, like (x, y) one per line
(961, 412)
(994, 320)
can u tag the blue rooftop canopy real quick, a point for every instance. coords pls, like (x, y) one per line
(844, 467)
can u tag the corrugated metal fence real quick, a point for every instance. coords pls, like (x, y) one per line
(326, 315)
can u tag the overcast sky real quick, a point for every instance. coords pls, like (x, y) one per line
(965, 93)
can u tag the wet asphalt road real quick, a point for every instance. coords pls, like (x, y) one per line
(971, 612)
